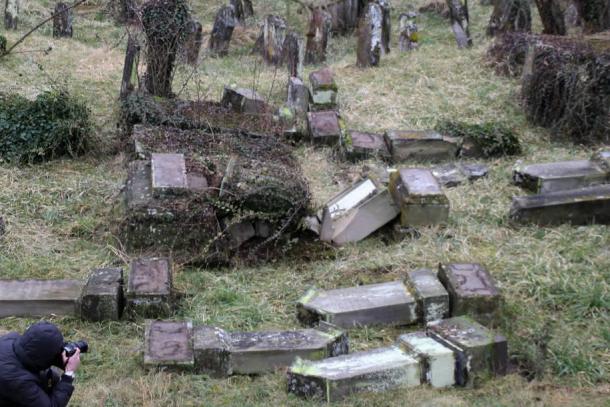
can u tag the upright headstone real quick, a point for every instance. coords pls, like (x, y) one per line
(149, 290)
(510, 16)
(11, 14)
(386, 25)
(552, 17)
(248, 8)
(238, 8)
(273, 34)
(224, 23)
(409, 36)
(317, 36)
(460, 22)
(193, 42)
(102, 298)
(38, 298)
(168, 344)
(130, 68)
(298, 96)
(294, 54)
(370, 36)
(62, 21)
(436, 360)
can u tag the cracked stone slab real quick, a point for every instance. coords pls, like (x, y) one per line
(479, 352)
(437, 361)
(559, 176)
(149, 288)
(168, 173)
(324, 127)
(168, 344)
(102, 298)
(407, 145)
(583, 206)
(432, 297)
(363, 145)
(375, 304)
(39, 298)
(375, 370)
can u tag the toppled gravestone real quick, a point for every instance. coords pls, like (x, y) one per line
(220, 353)
(406, 145)
(582, 206)
(375, 304)
(432, 297)
(558, 176)
(454, 174)
(436, 360)
(242, 100)
(168, 344)
(472, 291)
(149, 288)
(356, 213)
(419, 196)
(479, 352)
(374, 370)
(362, 145)
(323, 90)
(325, 127)
(37, 298)
(102, 297)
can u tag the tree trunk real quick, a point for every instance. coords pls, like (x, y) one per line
(595, 15)
(125, 11)
(460, 22)
(510, 16)
(130, 68)
(11, 14)
(552, 17)
(408, 32)
(271, 39)
(62, 21)
(386, 25)
(224, 23)
(294, 54)
(248, 9)
(317, 36)
(370, 37)
(193, 42)
(238, 7)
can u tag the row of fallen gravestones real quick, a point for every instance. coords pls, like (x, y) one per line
(451, 351)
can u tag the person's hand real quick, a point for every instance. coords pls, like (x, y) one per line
(71, 363)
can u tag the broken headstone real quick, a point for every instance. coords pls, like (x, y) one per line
(323, 90)
(436, 360)
(421, 145)
(224, 23)
(273, 33)
(243, 100)
(102, 298)
(375, 304)
(317, 36)
(149, 289)
(432, 298)
(325, 127)
(363, 145)
(37, 298)
(409, 35)
(551, 177)
(168, 174)
(212, 347)
(370, 36)
(168, 344)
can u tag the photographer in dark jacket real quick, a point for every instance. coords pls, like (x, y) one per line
(25, 360)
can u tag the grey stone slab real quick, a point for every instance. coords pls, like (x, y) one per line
(375, 304)
(361, 145)
(559, 176)
(375, 370)
(244, 100)
(168, 344)
(138, 189)
(419, 196)
(103, 295)
(437, 361)
(479, 351)
(583, 206)
(239, 233)
(324, 127)
(432, 298)
(472, 290)
(212, 347)
(39, 298)
(197, 183)
(149, 288)
(406, 145)
(298, 96)
(168, 173)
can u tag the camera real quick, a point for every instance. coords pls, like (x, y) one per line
(70, 347)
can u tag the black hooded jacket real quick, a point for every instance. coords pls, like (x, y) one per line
(22, 358)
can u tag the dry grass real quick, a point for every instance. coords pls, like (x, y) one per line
(555, 280)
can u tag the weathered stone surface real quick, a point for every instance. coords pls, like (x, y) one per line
(581, 206)
(212, 347)
(130, 68)
(193, 42)
(62, 21)
(356, 213)
(362, 145)
(324, 127)
(386, 25)
(11, 14)
(298, 96)
(220, 39)
(102, 297)
(168, 174)
(294, 54)
(375, 304)
(38, 298)
(238, 8)
(432, 298)
(460, 24)
(474, 171)
(197, 183)
(149, 288)
(436, 360)
(408, 145)
(454, 174)
(479, 352)
(419, 196)
(602, 160)
(559, 176)
(317, 36)
(369, 47)
(323, 90)
(472, 290)
(168, 344)
(409, 35)
(273, 33)
(244, 100)
(334, 378)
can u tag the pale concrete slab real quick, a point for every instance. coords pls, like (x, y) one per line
(39, 298)
(436, 360)
(168, 173)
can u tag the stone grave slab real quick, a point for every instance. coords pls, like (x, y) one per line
(138, 190)
(408, 145)
(479, 352)
(419, 196)
(324, 127)
(356, 213)
(436, 360)
(559, 176)
(39, 298)
(375, 370)
(149, 288)
(472, 290)
(375, 304)
(432, 298)
(581, 206)
(363, 145)
(323, 90)
(168, 173)
(243, 100)
(168, 344)
(212, 347)
(102, 298)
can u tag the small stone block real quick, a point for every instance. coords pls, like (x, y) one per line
(436, 360)
(103, 295)
(298, 95)
(197, 183)
(363, 145)
(323, 89)
(432, 298)
(168, 174)
(39, 298)
(583, 206)
(324, 127)
(479, 351)
(375, 370)
(375, 304)
(149, 288)
(168, 344)
(472, 290)
(212, 348)
(322, 79)
(408, 145)
(419, 196)
(559, 176)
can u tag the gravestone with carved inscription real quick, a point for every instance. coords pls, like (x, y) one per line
(168, 344)
(149, 289)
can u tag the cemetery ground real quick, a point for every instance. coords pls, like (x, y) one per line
(555, 281)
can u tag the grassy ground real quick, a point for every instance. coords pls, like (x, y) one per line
(555, 280)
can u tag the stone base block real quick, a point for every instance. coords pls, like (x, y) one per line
(168, 344)
(102, 298)
(436, 360)
(432, 298)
